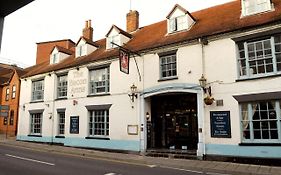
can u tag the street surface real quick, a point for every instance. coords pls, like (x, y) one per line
(18, 161)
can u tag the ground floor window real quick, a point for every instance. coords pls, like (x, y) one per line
(61, 123)
(260, 121)
(36, 123)
(99, 123)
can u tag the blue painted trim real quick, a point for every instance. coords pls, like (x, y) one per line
(243, 151)
(174, 86)
(127, 145)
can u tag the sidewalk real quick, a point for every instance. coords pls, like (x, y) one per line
(189, 165)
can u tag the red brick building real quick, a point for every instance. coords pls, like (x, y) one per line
(9, 95)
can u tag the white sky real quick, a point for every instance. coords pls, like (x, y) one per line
(48, 20)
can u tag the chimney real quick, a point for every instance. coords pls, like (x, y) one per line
(88, 30)
(132, 21)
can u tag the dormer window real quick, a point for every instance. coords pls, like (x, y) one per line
(179, 19)
(58, 54)
(84, 47)
(116, 36)
(55, 58)
(250, 7)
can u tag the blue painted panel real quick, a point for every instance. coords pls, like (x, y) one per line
(243, 151)
(88, 143)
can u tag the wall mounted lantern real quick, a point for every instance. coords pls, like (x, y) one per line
(205, 86)
(133, 94)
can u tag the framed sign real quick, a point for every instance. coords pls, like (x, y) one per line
(74, 125)
(132, 129)
(220, 124)
(124, 61)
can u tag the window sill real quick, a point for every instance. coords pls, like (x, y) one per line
(259, 144)
(60, 137)
(97, 95)
(32, 135)
(168, 78)
(257, 77)
(62, 98)
(38, 101)
(98, 138)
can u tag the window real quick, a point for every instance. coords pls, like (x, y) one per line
(81, 50)
(7, 94)
(255, 6)
(99, 81)
(55, 58)
(99, 123)
(113, 39)
(12, 113)
(61, 123)
(38, 90)
(14, 91)
(260, 57)
(168, 66)
(260, 121)
(62, 86)
(178, 23)
(36, 124)
(5, 120)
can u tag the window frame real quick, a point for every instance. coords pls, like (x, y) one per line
(14, 89)
(251, 122)
(255, 6)
(36, 126)
(33, 89)
(7, 96)
(92, 76)
(106, 124)
(62, 89)
(244, 62)
(12, 117)
(166, 64)
(115, 39)
(61, 123)
(178, 23)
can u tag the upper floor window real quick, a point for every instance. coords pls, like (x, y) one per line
(7, 94)
(178, 23)
(168, 66)
(99, 81)
(12, 113)
(55, 58)
(38, 90)
(62, 86)
(260, 121)
(113, 39)
(14, 88)
(81, 50)
(250, 7)
(260, 57)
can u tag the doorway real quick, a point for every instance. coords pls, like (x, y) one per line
(174, 122)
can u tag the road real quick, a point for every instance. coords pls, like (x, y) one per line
(15, 161)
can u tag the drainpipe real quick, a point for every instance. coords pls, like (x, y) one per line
(53, 110)
(203, 42)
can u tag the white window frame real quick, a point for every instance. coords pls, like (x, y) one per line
(14, 88)
(36, 123)
(62, 86)
(178, 23)
(99, 123)
(251, 7)
(61, 123)
(113, 39)
(168, 66)
(37, 90)
(81, 50)
(99, 79)
(263, 62)
(249, 124)
(7, 94)
(55, 58)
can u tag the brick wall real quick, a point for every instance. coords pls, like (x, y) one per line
(132, 21)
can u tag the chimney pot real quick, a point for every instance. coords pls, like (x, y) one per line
(132, 21)
(88, 31)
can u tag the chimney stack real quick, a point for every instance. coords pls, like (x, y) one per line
(88, 30)
(132, 21)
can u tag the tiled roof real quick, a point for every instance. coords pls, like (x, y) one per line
(88, 41)
(211, 21)
(120, 30)
(7, 71)
(63, 50)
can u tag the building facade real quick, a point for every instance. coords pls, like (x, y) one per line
(204, 81)
(10, 93)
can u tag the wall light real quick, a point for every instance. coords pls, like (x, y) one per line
(205, 86)
(133, 94)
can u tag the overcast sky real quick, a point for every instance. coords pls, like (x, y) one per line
(48, 20)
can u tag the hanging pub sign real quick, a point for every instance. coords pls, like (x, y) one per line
(220, 124)
(124, 60)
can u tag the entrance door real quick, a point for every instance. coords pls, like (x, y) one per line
(174, 123)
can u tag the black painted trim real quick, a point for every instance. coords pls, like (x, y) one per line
(168, 78)
(63, 98)
(98, 138)
(39, 101)
(261, 77)
(259, 144)
(30, 135)
(60, 137)
(97, 95)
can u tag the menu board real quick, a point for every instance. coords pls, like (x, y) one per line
(74, 125)
(220, 124)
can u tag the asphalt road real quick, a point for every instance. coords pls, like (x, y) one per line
(18, 161)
